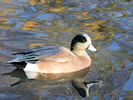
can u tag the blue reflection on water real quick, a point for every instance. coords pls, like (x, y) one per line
(49, 17)
(7, 96)
(113, 47)
(128, 86)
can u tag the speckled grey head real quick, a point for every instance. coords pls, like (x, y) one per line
(82, 42)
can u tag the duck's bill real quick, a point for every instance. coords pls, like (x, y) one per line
(92, 48)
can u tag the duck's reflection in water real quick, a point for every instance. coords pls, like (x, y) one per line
(49, 78)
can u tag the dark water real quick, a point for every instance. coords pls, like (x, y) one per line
(30, 24)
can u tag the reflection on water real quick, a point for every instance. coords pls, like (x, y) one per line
(31, 24)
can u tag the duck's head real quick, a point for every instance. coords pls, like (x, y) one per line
(82, 42)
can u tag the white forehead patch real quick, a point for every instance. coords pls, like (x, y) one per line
(87, 37)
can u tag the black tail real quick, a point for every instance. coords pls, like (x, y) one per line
(19, 65)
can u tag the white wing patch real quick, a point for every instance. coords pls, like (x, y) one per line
(31, 67)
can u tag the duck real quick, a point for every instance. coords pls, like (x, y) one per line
(64, 61)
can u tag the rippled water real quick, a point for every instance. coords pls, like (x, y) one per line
(31, 24)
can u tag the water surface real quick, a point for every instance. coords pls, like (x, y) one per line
(31, 24)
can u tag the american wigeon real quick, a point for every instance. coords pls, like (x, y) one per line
(65, 61)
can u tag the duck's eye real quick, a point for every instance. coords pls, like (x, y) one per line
(83, 40)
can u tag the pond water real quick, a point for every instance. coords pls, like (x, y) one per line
(32, 24)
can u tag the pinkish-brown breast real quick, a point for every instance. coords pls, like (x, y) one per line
(71, 65)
